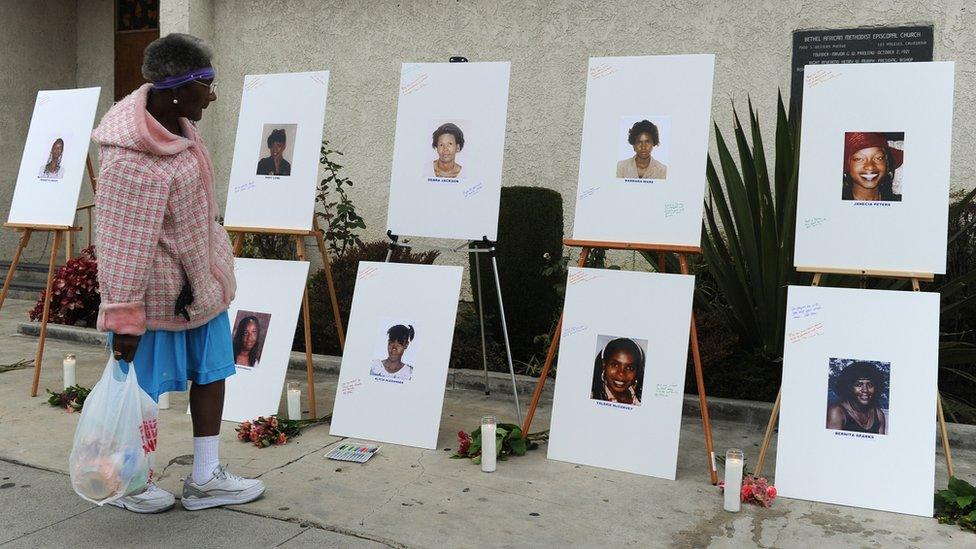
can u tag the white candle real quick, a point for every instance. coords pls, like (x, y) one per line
(164, 401)
(69, 370)
(489, 449)
(294, 401)
(733, 480)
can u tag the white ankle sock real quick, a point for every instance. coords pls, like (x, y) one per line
(206, 457)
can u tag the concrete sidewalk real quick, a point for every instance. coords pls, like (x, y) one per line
(405, 497)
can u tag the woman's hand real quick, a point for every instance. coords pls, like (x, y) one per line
(124, 346)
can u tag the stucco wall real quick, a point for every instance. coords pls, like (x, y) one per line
(548, 43)
(37, 41)
(96, 67)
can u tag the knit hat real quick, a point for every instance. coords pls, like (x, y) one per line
(855, 141)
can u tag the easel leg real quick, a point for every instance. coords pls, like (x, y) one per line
(69, 245)
(700, 382)
(481, 321)
(238, 244)
(550, 356)
(773, 416)
(24, 239)
(508, 348)
(47, 311)
(945, 436)
(307, 325)
(327, 266)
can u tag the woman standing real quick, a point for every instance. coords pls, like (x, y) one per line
(166, 271)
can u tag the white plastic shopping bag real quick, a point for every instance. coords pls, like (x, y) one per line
(115, 441)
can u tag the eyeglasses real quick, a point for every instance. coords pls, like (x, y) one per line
(212, 85)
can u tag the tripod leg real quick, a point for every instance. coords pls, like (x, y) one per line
(508, 348)
(481, 320)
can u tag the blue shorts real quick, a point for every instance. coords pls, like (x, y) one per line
(165, 361)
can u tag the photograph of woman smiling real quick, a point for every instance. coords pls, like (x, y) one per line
(858, 387)
(869, 166)
(618, 372)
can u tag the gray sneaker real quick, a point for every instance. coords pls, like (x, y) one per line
(223, 488)
(152, 500)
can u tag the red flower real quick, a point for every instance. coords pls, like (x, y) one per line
(746, 492)
(464, 443)
(281, 438)
(771, 492)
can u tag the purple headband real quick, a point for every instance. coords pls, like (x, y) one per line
(177, 81)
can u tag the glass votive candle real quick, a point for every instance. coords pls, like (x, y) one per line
(489, 449)
(68, 367)
(734, 462)
(294, 393)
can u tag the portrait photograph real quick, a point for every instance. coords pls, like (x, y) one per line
(447, 142)
(643, 144)
(872, 166)
(276, 149)
(250, 332)
(858, 398)
(618, 369)
(51, 166)
(397, 353)
(609, 409)
(393, 356)
(857, 395)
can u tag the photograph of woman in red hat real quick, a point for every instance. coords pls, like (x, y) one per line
(870, 162)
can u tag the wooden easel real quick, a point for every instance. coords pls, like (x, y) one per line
(915, 278)
(661, 251)
(60, 232)
(299, 235)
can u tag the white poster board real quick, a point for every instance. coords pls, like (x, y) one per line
(398, 348)
(53, 164)
(622, 359)
(631, 104)
(276, 155)
(263, 317)
(874, 167)
(857, 424)
(463, 107)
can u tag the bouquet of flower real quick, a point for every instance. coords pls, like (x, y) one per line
(271, 431)
(509, 442)
(755, 490)
(72, 399)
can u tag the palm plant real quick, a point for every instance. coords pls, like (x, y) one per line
(749, 227)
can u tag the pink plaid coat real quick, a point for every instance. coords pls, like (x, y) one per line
(155, 223)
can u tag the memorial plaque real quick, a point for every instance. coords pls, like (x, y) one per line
(861, 45)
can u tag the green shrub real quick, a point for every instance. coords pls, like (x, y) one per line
(324, 337)
(530, 225)
(466, 350)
